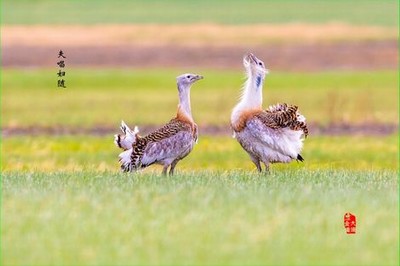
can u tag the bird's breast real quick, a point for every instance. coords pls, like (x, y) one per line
(240, 118)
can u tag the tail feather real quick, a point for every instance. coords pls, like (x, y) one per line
(125, 160)
(300, 158)
(125, 140)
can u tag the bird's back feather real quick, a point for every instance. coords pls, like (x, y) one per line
(282, 116)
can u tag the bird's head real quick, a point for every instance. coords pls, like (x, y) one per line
(186, 80)
(254, 66)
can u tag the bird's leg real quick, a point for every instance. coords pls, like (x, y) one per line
(173, 164)
(267, 168)
(256, 161)
(165, 168)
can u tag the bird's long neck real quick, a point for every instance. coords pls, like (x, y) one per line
(184, 102)
(252, 97)
(251, 100)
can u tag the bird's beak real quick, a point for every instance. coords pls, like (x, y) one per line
(197, 77)
(252, 58)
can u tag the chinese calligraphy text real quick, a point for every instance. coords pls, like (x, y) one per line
(61, 72)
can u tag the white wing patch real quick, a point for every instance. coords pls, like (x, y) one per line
(125, 158)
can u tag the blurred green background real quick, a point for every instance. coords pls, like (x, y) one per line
(365, 12)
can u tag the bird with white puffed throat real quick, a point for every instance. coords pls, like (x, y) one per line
(274, 135)
(167, 145)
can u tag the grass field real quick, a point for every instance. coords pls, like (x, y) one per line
(207, 218)
(105, 96)
(79, 153)
(366, 12)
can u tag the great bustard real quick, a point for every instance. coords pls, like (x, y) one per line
(269, 136)
(167, 145)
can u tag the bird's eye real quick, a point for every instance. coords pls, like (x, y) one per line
(260, 63)
(188, 76)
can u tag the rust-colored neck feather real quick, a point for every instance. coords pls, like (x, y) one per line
(240, 123)
(183, 116)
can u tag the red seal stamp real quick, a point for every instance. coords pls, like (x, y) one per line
(350, 223)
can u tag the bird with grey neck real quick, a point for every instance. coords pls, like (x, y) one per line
(274, 135)
(167, 145)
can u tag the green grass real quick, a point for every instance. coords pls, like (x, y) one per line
(78, 153)
(291, 217)
(366, 12)
(102, 97)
